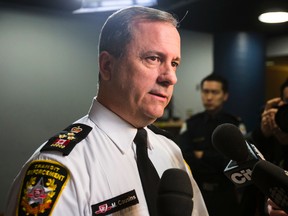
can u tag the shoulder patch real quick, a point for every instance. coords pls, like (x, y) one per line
(43, 183)
(66, 140)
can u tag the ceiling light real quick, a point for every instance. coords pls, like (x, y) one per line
(274, 17)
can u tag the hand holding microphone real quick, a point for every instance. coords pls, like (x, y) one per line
(274, 210)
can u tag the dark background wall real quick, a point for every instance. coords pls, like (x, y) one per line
(240, 57)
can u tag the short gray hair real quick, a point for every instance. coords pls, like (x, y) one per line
(116, 32)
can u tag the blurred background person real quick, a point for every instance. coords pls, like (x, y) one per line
(269, 137)
(206, 163)
(272, 142)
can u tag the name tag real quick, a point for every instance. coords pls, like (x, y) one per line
(115, 204)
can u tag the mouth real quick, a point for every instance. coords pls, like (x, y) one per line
(159, 95)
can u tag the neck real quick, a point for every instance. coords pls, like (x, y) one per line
(213, 112)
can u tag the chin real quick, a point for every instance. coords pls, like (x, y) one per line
(210, 108)
(153, 116)
(153, 112)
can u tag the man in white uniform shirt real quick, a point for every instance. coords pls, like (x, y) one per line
(90, 167)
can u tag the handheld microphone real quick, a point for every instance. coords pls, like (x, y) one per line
(175, 194)
(228, 140)
(273, 182)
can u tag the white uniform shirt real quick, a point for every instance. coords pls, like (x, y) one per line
(103, 166)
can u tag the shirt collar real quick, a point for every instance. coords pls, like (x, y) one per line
(119, 131)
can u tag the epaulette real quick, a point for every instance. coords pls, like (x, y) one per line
(160, 131)
(67, 139)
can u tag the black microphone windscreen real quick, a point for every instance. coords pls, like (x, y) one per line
(175, 194)
(272, 181)
(228, 139)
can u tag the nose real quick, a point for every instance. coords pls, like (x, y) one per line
(167, 76)
(209, 95)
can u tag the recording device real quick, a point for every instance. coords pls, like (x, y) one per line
(175, 194)
(228, 140)
(273, 182)
(281, 118)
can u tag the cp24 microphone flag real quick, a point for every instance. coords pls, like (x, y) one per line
(228, 140)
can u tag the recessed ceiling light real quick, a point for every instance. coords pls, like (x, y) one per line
(274, 17)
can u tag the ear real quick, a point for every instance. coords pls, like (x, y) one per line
(226, 96)
(105, 64)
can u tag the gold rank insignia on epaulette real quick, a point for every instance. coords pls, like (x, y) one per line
(43, 183)
(66, 140)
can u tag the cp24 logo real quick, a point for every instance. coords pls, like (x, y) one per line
(242, 176)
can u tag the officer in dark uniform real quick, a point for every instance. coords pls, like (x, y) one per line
(206, 163)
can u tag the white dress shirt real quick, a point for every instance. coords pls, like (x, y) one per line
(103, 167)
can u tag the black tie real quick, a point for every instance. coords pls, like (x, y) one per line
(148, 174)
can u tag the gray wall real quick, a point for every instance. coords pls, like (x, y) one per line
(48, 77)
(196, 64)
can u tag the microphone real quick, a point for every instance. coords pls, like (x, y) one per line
(175, 194)
(273, 182)
(228, 140)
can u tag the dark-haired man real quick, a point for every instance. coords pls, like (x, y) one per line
(206, 163)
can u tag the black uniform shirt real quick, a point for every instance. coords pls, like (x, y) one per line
(197, 137)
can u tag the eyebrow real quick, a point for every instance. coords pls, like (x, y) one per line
(177, 59)
(158, 53)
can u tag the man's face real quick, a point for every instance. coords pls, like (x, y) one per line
(213, 96)
(142, 81)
